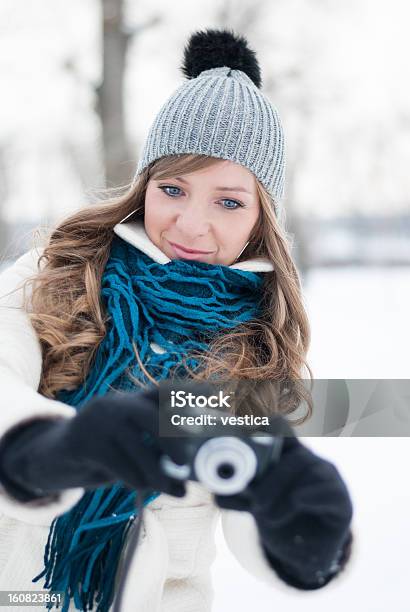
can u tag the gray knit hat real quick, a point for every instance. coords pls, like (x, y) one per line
(221, 112)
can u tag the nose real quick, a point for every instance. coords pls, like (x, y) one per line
(193, 220)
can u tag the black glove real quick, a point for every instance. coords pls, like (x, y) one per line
(303, 512)
(112, 438)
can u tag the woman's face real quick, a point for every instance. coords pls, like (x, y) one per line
(212, 210)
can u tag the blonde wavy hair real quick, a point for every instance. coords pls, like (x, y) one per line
(69, 317)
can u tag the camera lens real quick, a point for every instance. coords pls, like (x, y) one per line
(225, 470)
(225, 465)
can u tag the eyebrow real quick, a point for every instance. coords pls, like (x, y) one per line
(179, 178)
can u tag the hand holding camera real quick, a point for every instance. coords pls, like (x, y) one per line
(303, 512)
(299, 501)
(112, 438)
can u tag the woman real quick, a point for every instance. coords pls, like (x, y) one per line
(188, 274)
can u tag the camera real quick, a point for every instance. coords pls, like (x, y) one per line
(227, 458)
(225, 465)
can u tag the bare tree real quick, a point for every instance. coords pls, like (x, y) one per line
(110, 106)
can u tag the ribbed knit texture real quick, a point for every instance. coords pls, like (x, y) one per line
(179, 306)
(221, 113)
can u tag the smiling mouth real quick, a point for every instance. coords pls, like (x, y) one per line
(181, 248)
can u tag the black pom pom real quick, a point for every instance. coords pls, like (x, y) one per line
(213, 48)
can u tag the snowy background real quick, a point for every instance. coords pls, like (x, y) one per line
(337, 73)
(360, 329)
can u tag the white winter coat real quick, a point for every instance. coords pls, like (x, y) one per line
(171, 567)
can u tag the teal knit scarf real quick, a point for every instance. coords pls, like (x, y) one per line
(179, 306)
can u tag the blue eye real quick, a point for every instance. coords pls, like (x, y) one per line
(178, 189)
(164, 187)
(235, 202)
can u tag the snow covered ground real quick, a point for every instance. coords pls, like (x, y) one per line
(360, 329)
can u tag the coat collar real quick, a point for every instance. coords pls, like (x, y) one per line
(134, 233)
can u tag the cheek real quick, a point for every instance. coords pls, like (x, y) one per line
(156, 214)
(233, 231)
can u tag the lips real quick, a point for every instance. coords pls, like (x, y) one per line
(192, 251)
